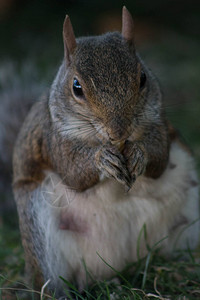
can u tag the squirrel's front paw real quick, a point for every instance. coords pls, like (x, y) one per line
(111, 163)
(136, 158)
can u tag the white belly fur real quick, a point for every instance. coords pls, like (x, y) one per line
(111, 220)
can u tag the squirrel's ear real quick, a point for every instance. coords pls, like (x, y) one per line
(127, 26)
(68, 39)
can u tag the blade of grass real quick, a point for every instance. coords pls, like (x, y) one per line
(182, 231)
(69, 284)
(118, 273)
(148, 261)
(107, 290)
(139, 240)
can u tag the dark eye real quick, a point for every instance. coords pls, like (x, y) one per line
(77, 88)
(142, 80)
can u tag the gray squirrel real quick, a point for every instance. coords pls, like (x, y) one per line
(95, 161)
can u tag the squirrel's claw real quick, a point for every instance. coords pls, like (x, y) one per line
(112, 164)
(136, 159)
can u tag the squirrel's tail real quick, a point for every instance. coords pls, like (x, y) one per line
(19, 89)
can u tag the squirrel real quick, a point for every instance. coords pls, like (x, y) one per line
(95, 161)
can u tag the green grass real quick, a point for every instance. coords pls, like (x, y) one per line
(153, 277)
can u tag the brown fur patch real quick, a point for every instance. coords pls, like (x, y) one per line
(72, 222)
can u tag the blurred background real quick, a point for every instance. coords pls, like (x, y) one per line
(31, 49)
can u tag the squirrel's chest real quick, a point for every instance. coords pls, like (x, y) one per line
(83, 214)
(76, 226)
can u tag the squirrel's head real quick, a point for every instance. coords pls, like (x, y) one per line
(102, 80)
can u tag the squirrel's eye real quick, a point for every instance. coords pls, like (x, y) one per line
(142, 80)
(77, 88)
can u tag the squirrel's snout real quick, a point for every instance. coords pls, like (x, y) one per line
(118, 135)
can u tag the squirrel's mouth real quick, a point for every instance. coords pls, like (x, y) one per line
(115, 137)
(119, 135)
